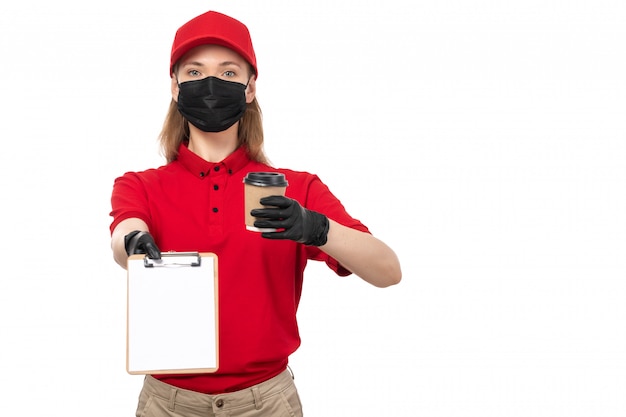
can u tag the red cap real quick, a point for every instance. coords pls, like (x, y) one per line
(216, 29)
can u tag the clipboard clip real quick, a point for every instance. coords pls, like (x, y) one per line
(173, 259)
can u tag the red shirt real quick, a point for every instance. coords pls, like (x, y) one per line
(194, 205)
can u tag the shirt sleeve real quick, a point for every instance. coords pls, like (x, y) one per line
(129, 199)
(322, 200)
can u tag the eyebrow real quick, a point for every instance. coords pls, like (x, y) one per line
(228, 63)
(221, 64)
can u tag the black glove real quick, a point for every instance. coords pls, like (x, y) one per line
(299, 224)
(141, 242)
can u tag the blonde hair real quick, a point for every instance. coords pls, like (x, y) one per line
(249, 133)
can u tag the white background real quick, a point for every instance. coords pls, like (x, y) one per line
(483, 140)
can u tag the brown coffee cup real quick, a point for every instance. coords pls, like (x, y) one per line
(256, 186)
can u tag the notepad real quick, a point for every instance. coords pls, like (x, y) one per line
(172, 314)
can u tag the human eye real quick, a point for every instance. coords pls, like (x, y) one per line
(230, 73)
(193, 73)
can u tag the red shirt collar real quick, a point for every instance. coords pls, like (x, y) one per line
(202, 168)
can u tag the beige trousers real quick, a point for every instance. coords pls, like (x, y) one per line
(276, 397)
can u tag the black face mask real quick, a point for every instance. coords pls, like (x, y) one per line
(212, 104)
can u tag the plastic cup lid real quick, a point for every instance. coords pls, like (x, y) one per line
(266, 179)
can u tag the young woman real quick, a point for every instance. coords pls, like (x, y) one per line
(212, 137)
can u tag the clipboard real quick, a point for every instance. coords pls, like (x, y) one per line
(172, 314)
